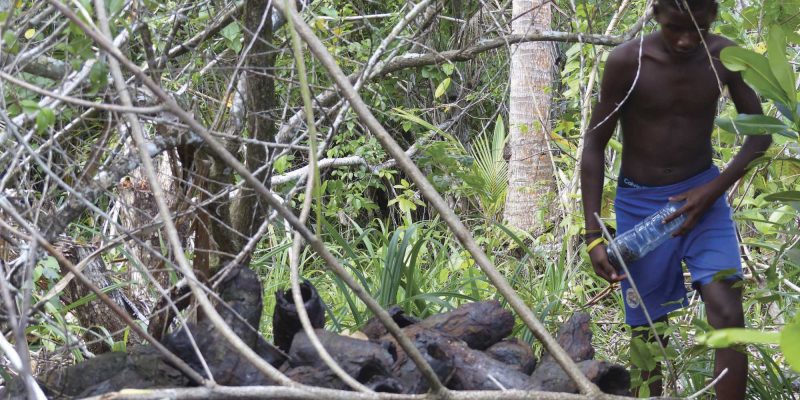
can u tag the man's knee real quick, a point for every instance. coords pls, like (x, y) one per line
(723, 302)
(725, 315)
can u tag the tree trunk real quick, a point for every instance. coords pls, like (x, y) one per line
(530, 165)
(137, 209)
(248, 211)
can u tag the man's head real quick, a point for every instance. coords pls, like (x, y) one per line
(677, 19)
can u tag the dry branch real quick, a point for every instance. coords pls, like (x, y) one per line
(453, 222)
(64, 262)
(263, 192)
(106, 178)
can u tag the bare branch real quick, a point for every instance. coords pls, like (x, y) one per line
(9, 209)
(45, 67)
(277, 392)
(411, 60)
(362, 110)
(77, 101)
(265, 194)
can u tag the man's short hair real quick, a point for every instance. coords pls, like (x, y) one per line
(680, 5)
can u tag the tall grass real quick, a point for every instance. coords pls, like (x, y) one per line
(423, 269)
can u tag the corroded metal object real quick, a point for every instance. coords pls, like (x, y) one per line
(286, 322)
(515, 353)
(367, 361)
(374, 329)
(467, 348)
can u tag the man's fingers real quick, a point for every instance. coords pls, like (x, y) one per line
(611, 273)
(680, 211)
(685, 227)
(607, 272)
(601, 272)
(672, 216)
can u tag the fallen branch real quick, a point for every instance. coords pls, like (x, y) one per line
(45, 67)
(220, 150)
(278, 392)
(439, 204)
(105, 178)
(64, 262)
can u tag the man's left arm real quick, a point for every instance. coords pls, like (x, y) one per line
(698, 200)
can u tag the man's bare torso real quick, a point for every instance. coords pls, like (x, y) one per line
(668, 119)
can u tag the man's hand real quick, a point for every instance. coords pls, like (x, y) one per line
(602, 267)
(697, 202)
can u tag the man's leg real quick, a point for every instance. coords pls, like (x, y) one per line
(724, 310)
(644, 332)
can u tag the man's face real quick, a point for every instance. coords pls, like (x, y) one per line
(679, 32)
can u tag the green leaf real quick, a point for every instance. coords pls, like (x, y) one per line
(752, 124)
(233, 34)
(45, 119)
(755, 70)
(787, 196)
(727, 337)
(448, 68)
(10, 40)
(640, 355)
(442, 88)
(51, 274)
(776, 54)
(115, 6)
(98, 75)
(29, 107)
(790, 344)
(407, 115)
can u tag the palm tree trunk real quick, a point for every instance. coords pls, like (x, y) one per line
(530, 165)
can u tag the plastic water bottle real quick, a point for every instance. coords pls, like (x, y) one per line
(645, 236)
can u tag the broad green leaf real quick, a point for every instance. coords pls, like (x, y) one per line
(755, 70)
(45, 118)
(785, 197)
(98, 75)
(790, 344)
(730, 336)
(9, 40)
(776, 54)
(448, 68)
(29, 107)
(442, 88)
(751, 124)
(640, 355)
(785, 110)
(115, 6)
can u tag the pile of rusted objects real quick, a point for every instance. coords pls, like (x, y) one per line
(469, 348)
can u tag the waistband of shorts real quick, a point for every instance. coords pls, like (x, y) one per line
(677, 187)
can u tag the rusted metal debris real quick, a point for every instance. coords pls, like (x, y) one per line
(286, 322)
(467, 347)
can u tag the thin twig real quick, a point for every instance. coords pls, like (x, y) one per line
(80, 102)
(294, 254)
(709, 386)
(447, 214)
(63, 261)
(265, 194)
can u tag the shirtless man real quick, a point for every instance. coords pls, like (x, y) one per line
(667, 121)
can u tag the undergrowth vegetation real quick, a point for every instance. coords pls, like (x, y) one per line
(374, 220)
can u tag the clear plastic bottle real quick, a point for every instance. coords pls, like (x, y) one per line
(645, 236)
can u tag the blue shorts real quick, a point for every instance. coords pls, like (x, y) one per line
(710, 250)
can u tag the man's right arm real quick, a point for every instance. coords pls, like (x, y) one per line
(617, 80)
